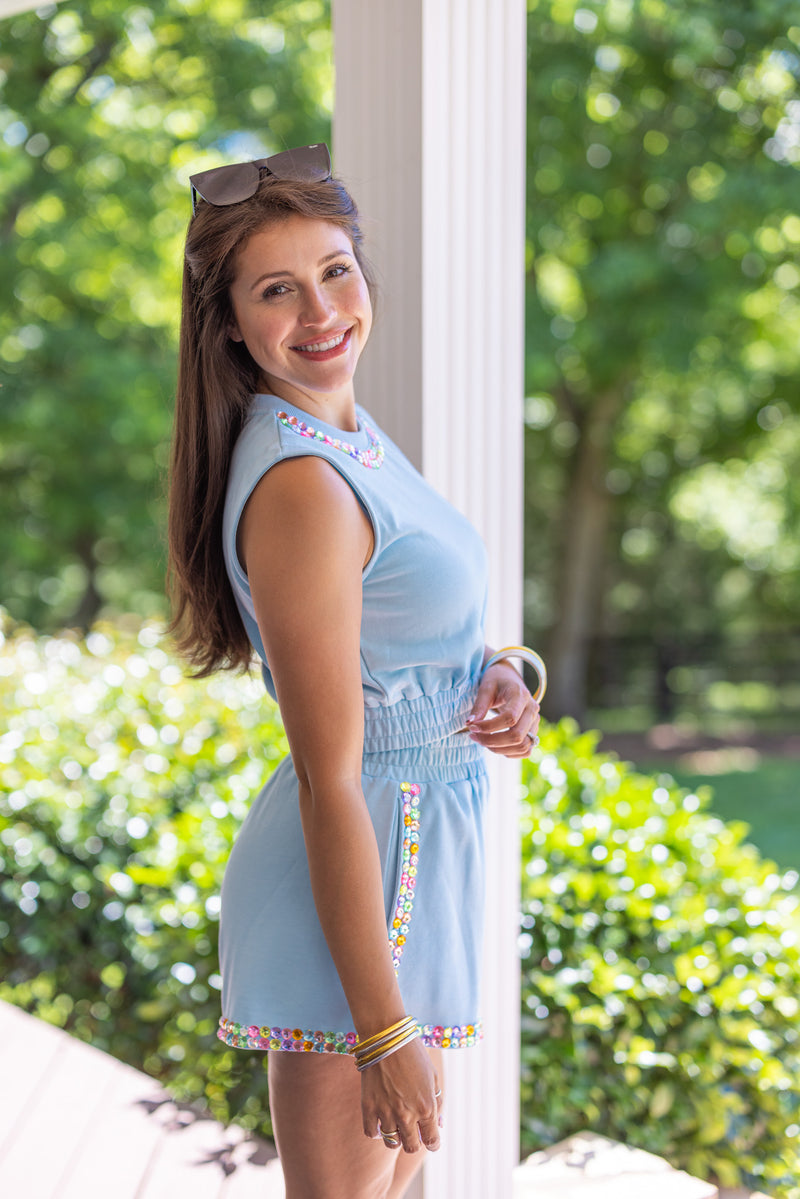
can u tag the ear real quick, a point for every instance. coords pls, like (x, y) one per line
(233, 332)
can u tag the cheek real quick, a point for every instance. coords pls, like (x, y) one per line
(262, 334)
(360, 301)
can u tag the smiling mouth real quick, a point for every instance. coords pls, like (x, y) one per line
(327, 347)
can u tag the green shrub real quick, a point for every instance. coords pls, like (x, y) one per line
(661, 972)
(122, 785)
(661, 969)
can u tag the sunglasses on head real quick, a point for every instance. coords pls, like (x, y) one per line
(231, 184)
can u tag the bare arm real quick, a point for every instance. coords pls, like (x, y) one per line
(304, 540)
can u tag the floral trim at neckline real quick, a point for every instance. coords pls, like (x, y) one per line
(371, 457)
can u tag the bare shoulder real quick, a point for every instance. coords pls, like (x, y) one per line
(300, 502)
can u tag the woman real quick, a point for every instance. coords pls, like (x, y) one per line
(298, 531)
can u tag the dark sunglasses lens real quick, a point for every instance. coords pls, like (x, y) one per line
(227, 185)
(310, 163)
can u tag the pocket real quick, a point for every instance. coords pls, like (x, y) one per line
(407, 849)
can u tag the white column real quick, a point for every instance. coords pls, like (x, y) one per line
(429, 134)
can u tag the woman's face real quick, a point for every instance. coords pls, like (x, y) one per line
(301, 306)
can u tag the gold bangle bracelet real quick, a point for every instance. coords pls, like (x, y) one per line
(379, 1054)
(379, 1036)
(386, 1042)
(527, 655)
(389, 1044)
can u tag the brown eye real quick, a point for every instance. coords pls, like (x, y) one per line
(276, 289)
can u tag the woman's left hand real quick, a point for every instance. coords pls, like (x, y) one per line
(505, 716)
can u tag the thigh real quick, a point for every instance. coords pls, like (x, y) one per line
(315, 1103)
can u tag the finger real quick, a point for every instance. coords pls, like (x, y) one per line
(483, 702)
(500, 721)
(409, 1136)
(390, 1135)
(518, 712)
(530, 745)
(429, 1133)
(371, 1127)
(512, 733)
(389, 1132)
(515, 750)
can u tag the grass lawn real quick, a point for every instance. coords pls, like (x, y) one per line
(766, 796)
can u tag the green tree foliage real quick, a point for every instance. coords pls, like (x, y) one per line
(663, 320)
(664, 261)
(104, 111)
(661, 966)
(661, 972)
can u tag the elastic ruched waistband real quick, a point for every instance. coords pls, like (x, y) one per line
(422, 739)
(423, 721)
(447, 761)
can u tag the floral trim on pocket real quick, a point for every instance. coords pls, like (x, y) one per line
(404, 905)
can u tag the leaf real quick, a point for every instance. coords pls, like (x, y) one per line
(662, 1099)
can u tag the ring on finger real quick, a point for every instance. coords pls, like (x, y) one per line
(533, 740)
(437, 1094)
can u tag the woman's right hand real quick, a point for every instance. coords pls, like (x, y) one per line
(399, 1094)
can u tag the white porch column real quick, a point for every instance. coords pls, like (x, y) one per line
(429, 134)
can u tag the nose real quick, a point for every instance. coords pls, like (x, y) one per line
(317, 307)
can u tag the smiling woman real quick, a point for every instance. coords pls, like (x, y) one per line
(301, 307)
(352, 907)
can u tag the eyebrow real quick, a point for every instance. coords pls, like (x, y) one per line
(283, 274)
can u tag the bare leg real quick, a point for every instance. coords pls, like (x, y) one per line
(315, 1101)
(406, 1164)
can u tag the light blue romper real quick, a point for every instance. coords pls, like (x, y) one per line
(424, 781)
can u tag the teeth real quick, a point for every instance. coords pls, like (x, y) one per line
(322, 345)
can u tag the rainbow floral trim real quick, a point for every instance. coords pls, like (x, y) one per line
(401, 919)
(298, 1040)
(372, 457)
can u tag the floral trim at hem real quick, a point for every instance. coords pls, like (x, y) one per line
(298, 1040)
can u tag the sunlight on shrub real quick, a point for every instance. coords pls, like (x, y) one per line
(122, 786)
(661, 960)
(661, 972)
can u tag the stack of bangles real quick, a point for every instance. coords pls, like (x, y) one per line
(382, 1044)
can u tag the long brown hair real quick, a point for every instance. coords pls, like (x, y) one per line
(216, 380)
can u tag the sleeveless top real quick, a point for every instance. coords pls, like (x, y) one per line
(423, 780)
(424, 587)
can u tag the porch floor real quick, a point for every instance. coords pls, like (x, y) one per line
(77, 1124)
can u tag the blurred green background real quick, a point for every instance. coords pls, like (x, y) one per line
(663, 323)
(660, 953)
(662, 451)
(662, 424)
